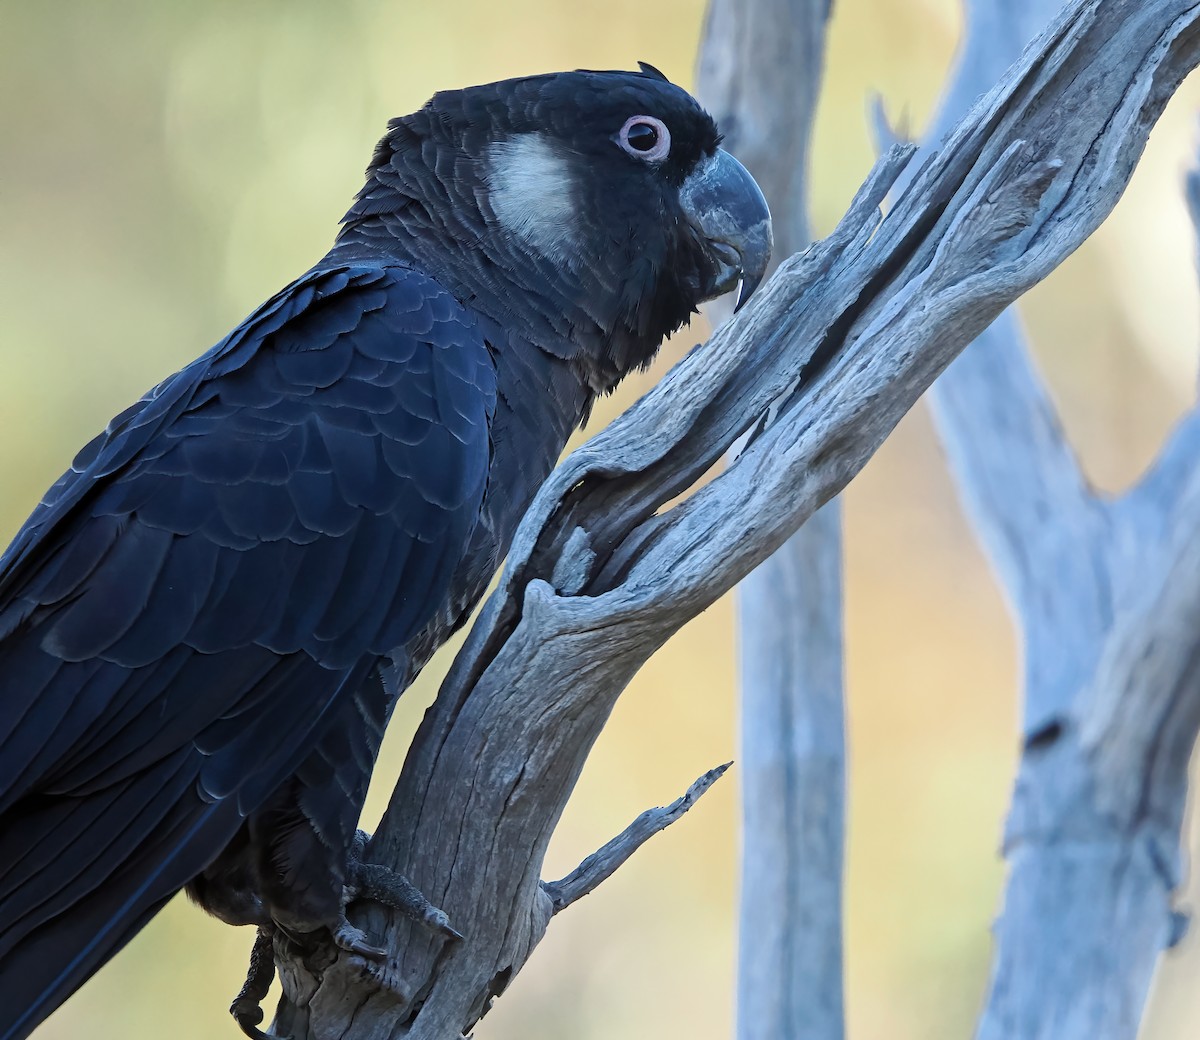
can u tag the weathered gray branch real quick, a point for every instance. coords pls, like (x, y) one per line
(1003, 438)
(603, 863)
(1108, 598)
(759, 74)
(887, 303)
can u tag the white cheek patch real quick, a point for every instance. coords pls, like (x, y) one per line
(532, 194)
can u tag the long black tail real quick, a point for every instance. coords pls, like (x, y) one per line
(71, 892)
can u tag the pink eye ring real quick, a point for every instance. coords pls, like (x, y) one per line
(645, 138)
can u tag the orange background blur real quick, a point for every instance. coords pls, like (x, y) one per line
(165, 167)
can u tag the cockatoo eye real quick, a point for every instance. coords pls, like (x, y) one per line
(645, 138)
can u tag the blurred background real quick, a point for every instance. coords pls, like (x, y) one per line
(165, 167)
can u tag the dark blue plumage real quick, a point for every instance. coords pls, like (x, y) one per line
(205, 621)
(159, 596)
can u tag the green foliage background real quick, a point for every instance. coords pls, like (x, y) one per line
(166, 166)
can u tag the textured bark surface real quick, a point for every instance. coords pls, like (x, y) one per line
(759, 74)
(1107, 596)
(602, 571)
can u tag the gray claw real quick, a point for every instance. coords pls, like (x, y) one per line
(354, 940)
(246, 1008)
(383, 885)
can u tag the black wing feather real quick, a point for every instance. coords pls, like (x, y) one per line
(189, 604)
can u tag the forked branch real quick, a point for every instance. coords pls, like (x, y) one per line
(840, 345)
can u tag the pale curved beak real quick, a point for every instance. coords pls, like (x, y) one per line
(725, 205)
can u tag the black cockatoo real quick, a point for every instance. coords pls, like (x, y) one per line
(205, 621)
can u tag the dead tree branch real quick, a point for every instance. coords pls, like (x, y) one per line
(873, 314)
(759, 74)
(1107, 594)
(603, 863)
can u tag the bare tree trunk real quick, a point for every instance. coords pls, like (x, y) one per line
(759, 74)
(837, 348)
(1107, 595)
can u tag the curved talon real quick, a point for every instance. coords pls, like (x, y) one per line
(365, 949)
(384, 885)
(247, 1016)
(354, 940)
(246, 1008)
(440, 923)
